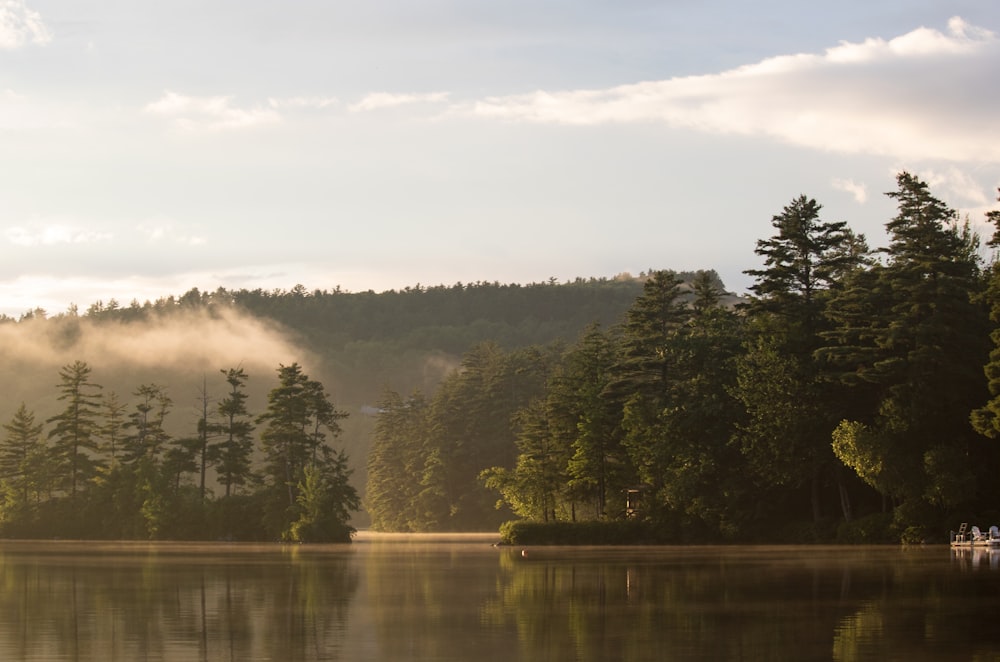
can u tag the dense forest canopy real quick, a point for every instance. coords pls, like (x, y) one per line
(184, 350)
(851, 397)
(844, 400)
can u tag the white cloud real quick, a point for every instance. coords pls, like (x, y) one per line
(378, 100)
(20, 25)
(53, 234)
(859, 191)
(954, 184)
(925, 94)
(210, 113)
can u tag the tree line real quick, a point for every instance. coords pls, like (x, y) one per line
(853, 397)
(370, 339)
(102, 468)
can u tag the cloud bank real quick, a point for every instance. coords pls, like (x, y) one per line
(924, 94)
(379, 100)
(212, 113)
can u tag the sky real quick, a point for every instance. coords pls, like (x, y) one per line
(147, 148)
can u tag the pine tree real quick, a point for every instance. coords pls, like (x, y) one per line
(232, 455)
(915, 334)
(22, 455)
(585, 421)
(74, 431)
(986, 419)
(298, 418)
(646, 375)
(803, 262)
(148, 436)
(111, 429)
(790, 404)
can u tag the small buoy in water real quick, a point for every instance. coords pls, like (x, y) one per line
(524, 553)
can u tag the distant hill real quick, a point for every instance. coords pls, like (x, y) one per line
(355, 343)
(410, 338)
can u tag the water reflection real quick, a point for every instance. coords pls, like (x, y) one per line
(398, 599)
(976, 557)
(67, 601)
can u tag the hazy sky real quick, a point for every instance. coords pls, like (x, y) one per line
(150, 147)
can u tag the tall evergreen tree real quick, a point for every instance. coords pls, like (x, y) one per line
(704, 482)
(986, 419)
(232, 454)
(298, 417)
(147, 437)
(111, 429)
(921, 349)
(802, 262)
(646, 375)
(22, 455)
(585, 420)
(73, 434)
(791, 407)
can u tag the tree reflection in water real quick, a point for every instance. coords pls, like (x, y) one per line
(459, 600)
(91, 601)
(753, 603)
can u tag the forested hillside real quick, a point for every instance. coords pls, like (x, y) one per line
(173, 360)
(409, 338)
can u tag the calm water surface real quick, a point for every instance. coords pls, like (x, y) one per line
(421, 598)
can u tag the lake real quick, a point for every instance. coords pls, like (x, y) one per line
(424, 598)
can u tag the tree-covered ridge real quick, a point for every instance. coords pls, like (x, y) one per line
(442, 317)
(110, 470)
(370, 339)
(835, 404)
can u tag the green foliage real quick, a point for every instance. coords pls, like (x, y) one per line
(322, 505)
(585, 422)
(396, 461)
(308, 494)
(23, 467)
(986, 419)
(914, 330)
(73, 432)
(134, 481)
(146, 425)
(790, 402)
(868, 455)
(470, 429)
(232, 454)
